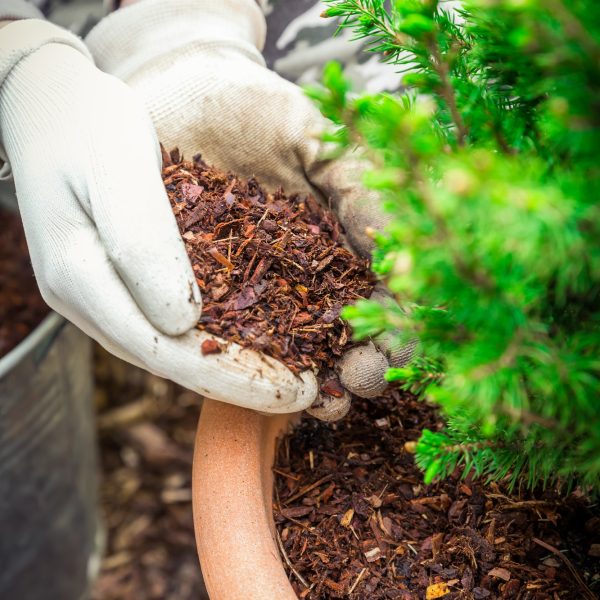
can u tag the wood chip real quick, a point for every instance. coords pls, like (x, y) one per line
(347, 518)
(436, 590)
(500, 573)
(373, 554)
(211, 347)
(594, 550)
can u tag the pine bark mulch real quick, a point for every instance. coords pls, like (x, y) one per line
(272, 269)
(355, 520)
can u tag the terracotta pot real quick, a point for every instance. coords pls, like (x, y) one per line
(232, 500)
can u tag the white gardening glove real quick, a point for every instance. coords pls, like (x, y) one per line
(103, 240)
(197, 66)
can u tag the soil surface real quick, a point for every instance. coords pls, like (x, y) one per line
(146, 428)
(272, 269)
(21, 305)
(356, 521)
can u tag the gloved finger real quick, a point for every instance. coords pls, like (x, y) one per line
(362, 369)
(330, 408)
(397, 353)
(98, 302)
(235, 375)
(130, 208)
(357, 208)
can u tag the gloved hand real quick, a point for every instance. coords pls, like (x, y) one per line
(197, 66)
(103, 240)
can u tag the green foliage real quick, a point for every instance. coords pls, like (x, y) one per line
(488, 165)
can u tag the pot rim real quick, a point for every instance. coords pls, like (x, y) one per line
(232, 493)
(49, 324)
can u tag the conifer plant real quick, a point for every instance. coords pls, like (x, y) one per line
(488, 162)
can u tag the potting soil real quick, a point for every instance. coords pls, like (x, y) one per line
(355, 519)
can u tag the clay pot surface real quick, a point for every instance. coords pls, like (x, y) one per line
(232, 501)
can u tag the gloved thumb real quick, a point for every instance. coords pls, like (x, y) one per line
(358, 208)
(362, 369)
(135, 222)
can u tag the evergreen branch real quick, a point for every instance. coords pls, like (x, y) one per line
(575, 29)
(493, 202)
(447, 91)
(373, 25)
(505, 360)
(528, 418)
(426, 195)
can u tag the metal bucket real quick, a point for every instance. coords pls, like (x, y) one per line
(48, 466)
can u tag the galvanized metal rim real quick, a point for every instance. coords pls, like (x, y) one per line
(50, 323)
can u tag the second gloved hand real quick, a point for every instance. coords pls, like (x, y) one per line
(103, 240)
(197, 66)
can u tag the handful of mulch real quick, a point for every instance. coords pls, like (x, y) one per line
(272, 269)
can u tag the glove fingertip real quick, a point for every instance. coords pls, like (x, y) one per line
(178, 315)
(330, 408)
(398, 354)
(362, 371)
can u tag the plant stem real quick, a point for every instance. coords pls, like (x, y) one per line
(575, 28)
(506, 360)
(447, 91)
(479, 279)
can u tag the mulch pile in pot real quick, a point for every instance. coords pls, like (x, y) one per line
(356, 521)
(146, 431)
(21, 305)
(273, 272)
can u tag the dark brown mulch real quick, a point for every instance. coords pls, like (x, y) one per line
(21, 305)
(272, 270)
(146, 428)
(356, 520)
